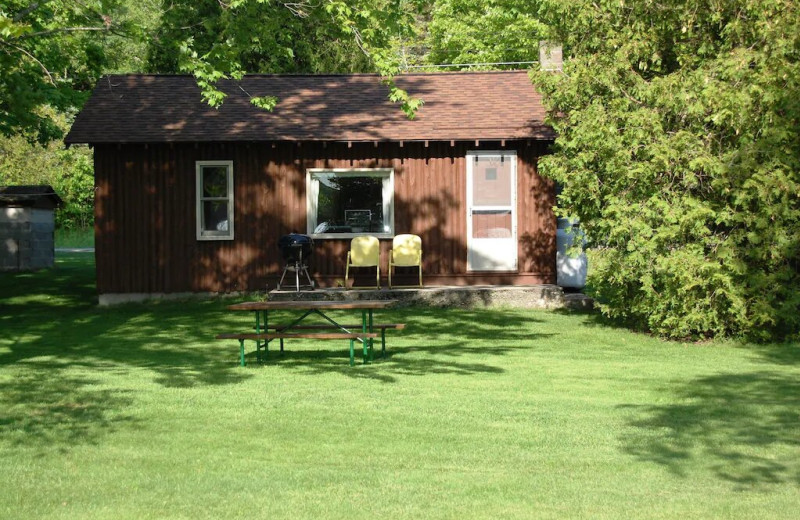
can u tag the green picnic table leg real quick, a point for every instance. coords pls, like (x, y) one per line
(364, 341)
(266, 329)
(241, 352)
(258, 331)
(371, 340)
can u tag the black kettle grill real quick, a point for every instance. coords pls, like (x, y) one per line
(296, 250)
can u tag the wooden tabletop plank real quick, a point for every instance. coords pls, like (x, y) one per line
(307, 305)
(309, 335)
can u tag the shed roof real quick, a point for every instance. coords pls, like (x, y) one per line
(29, 196)
(458, 106)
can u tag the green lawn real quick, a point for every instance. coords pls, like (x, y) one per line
(136, 412)
(72, 238)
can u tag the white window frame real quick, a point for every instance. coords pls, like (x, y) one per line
(213, 235)
(312, 194)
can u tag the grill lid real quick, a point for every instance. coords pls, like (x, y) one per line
(296, 247)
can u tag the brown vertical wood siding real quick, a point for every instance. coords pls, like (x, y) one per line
(145, 228)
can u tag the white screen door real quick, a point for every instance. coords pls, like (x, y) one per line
(491, 211)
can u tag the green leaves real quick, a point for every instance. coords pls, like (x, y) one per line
(10, 30)
(408, 104)
(680, 153)
(69, 171)
(475, 31)
(256, 36)
(48, 51)
(265, 102)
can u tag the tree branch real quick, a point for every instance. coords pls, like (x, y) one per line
(299, 9)
(33, 58)
(62, 30)
(28, 10)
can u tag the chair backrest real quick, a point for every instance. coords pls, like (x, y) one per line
(406, 250)
(365, 251)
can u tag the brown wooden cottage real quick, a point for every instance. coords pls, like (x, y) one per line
(194, 199)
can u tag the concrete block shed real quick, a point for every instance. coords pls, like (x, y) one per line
(27, 226)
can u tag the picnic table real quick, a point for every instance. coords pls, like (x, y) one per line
(265, 331)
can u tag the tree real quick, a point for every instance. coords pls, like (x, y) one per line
(228, 39)
(483, 31)
(287, 41)
(51, 51)
(679, 150)
(68, 171)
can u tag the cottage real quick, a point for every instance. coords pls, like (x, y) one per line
(194, 199)
(27, 225)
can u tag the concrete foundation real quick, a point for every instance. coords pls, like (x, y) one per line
(527, 297)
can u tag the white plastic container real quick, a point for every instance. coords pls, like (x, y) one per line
(570, 270)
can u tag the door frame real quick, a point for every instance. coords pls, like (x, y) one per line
(470, 157)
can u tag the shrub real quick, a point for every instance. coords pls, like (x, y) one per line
(679, 150)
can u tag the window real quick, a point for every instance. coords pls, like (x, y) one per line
(346, 203)
(214, 200)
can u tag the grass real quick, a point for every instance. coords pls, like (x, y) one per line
(135, 412)
(74, 238)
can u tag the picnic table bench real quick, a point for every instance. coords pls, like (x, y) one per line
(324, 326)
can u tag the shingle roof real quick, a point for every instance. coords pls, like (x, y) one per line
(458, 106)
(37, 196)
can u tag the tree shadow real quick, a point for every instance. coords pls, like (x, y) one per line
(46, 408)
(52, 333)
(593, 318)
(786, 354)
(399, 361)
(459, 344)
(724, 424)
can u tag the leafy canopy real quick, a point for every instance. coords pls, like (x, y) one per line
(230, 39)
(679, 149)
(483, 31)
(51, 51)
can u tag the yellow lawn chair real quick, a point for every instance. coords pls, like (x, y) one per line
(406, 252)
(365, 251)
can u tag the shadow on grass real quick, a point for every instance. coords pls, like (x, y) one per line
(435, 341)
(53, 315)
(398, 361)
(54, 339)
(595, 318)
(52, 332)
(785, 354)
(731, 425)
(43, 410)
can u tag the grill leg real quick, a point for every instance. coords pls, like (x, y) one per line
(297, 267)
(286, 268)
(305, 270)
